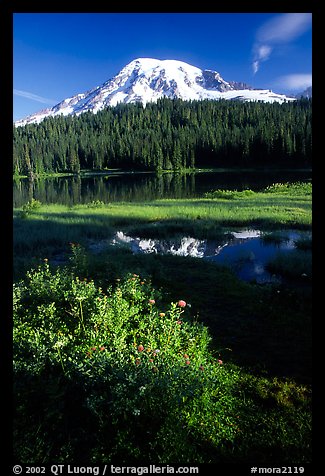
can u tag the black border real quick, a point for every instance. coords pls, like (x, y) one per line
(7, 10)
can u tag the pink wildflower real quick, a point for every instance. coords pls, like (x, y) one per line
(181, 303)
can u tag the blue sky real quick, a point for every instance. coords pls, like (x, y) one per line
(57, 55)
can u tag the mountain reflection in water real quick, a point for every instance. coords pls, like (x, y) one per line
(243, 251)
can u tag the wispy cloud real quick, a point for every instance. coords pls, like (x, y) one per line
(295, 82)
(261, 53)
(34, 97)
(279, 30)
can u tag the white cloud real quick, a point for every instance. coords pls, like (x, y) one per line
(277, 31)
(34, 97)
(255, 66)
(295, 82)
(262, 53)
(284, 28)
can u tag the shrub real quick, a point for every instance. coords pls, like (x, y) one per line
(29, 207)
(96, 204)
(296, 188)
(229, 194)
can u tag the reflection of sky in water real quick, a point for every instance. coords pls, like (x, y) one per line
(244, 251)
(248, 254)
(247, 257)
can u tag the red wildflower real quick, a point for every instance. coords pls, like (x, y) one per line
(181, 303)
(140, 348)
(152, 301)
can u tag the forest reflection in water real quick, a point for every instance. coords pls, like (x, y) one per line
(137, 187)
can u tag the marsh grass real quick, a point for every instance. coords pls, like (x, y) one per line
(275, 237)
(304, 244)
(296, 265)
(58, 224)
(76, 402)
(49, 230)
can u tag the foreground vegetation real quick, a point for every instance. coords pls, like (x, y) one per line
(118, 374)
(137, 358)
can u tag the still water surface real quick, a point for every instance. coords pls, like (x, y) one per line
(244, 251)
(144, 186)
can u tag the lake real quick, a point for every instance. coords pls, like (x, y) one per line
(244, 251)
(145, 186)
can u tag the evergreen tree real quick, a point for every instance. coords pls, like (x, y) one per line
(167, 135)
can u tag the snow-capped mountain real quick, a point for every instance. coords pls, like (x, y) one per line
(307, 93)
(146, 80)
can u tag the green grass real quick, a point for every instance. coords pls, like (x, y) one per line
(74, 403)
(45, 228)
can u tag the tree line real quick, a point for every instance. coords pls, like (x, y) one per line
(170, 134)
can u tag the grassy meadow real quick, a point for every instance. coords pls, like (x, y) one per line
(40, 229)
(168, 359)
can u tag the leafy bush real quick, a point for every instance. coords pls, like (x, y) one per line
(297, 188)
(229, 194)
(29, 207)
(116, 375)
(96, 204)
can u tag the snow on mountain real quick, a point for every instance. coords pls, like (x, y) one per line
(146, 80)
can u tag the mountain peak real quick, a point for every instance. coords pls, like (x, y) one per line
(307, 93)
(148, 79)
